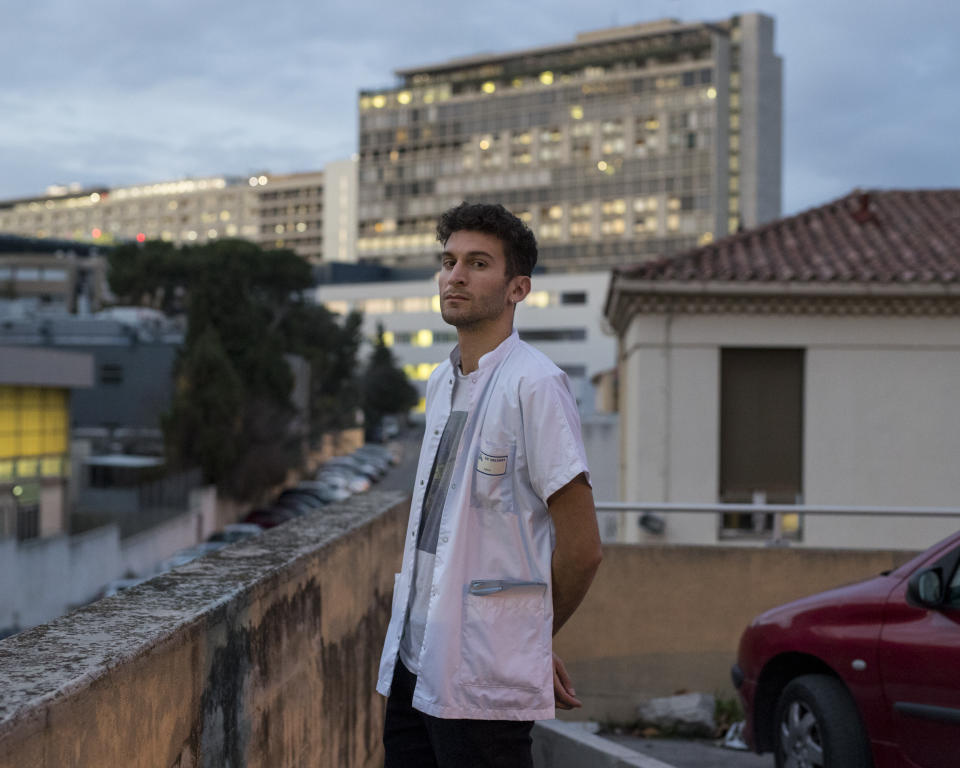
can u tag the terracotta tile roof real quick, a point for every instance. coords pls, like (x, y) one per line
(881, 237)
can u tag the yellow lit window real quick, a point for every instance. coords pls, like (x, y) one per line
(556, 212)
(673, 204)
(706, 238)
(539, 299)
(576, 112)
(734, 204)
(379, 101)
(489, 87)
(414, 304)
(733, 223)
(546, 77)
(378, 306)
(422, 338)
(711, 93)
(404, 97)
(673, 222)
(421, 406)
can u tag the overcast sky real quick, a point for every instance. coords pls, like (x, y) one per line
(110, 92)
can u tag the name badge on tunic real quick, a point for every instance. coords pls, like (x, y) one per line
(491, 465)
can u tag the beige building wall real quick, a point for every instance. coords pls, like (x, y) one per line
(881, 422)
(672, 616)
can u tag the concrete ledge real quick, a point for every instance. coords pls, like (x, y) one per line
(558, 744)
(263, 653)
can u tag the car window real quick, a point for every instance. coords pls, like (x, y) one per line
(953, 589)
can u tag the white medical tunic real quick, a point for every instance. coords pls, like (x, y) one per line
(487, 646)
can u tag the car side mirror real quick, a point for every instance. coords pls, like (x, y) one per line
(925, 588)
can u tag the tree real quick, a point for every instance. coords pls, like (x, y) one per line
(246, 310)
(330, 347)
(386, 389)
(204, 426)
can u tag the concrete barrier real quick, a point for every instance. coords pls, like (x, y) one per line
(262, 654)
(663, 619)
(558, 744)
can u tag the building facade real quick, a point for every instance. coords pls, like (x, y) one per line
(35, 386)
(187, 211)
(273, 210)
(624, 144)
(813, 361)
(50, 276)
(290, 212)
(562, 317)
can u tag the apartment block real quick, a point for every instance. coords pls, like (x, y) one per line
(290, 210)
(274, 210)
(184, 211)
(625, 144)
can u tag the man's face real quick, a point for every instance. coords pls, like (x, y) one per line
(474, 289)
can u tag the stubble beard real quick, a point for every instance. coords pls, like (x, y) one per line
(473, 317)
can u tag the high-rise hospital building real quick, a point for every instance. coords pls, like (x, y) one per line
(625, 144)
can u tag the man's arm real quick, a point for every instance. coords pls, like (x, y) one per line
(577, 553)
(575, 560)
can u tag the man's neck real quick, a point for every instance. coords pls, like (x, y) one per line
(476, 342)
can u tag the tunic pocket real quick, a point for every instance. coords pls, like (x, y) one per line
(505, 635)
(492, 476)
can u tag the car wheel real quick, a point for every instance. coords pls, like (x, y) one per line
(818, 726)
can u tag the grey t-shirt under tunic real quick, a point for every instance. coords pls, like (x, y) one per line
(433, 501)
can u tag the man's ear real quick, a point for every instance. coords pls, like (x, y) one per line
(519, 288)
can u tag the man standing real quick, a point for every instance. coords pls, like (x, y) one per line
(502, 542)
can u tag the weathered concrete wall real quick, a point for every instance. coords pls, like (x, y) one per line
(660, 619)
(262, 654)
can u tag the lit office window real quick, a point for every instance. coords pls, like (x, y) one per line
(378, 306)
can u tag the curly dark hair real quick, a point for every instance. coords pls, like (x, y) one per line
(519, 244)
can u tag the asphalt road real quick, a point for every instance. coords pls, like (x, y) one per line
(693, 753)
(400, 477)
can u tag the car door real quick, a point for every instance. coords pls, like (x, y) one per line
(920, 667)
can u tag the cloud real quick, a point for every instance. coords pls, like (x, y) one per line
(119, 92)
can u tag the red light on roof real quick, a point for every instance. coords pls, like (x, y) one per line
(141, 237)
(96, 232)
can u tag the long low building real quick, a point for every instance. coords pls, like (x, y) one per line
(562, 317)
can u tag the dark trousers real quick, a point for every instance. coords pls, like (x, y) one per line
(412, 739)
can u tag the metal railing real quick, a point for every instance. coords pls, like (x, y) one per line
(652, 515)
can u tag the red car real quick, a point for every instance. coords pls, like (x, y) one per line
(863, 676)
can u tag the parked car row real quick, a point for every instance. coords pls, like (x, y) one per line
(337, 480)
(215, 541)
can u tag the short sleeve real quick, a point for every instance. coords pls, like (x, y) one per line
(551, 434)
